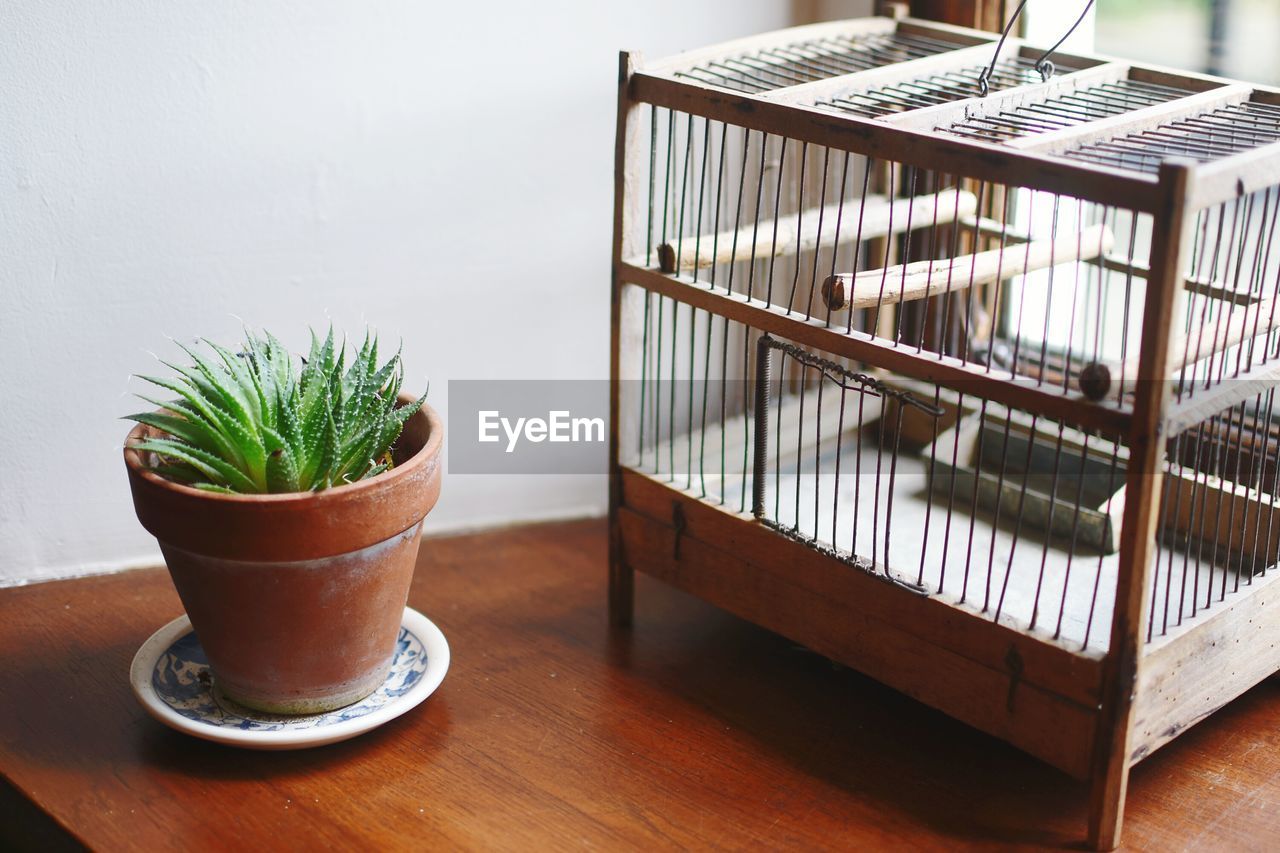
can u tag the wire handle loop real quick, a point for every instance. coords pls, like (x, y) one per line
(1043, 65)
(984, 78)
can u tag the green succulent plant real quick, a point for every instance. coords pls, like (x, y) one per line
(255, 422)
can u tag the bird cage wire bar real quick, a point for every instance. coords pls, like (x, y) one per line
(931, 89)
(835, 466)
(916, 255)
(1002, 536)
(708, 179)
(1218, 513)
(1085, 104)
(806, 123)
(1221, 492)
(779, 66)
(1232, 129)
(1228, 347)
(698, 431)
(697, 426)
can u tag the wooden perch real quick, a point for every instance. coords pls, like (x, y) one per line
(1216, 338)
(1099, 379)
(799, 232)
(922, 279)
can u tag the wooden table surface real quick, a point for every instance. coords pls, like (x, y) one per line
(694, 729)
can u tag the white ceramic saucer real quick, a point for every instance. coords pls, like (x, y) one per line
(170, 677)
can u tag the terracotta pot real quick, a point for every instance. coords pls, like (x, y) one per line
(296, 598)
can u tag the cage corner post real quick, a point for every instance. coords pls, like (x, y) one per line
(621, 575)
(986, 15)
(1111, 760)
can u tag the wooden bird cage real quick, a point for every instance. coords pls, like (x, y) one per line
(972, 394)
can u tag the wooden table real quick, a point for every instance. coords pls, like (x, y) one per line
(693, 729)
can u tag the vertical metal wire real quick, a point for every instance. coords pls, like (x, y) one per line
(764, 379)
(808, 216)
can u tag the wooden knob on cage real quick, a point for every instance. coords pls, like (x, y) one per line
(1095, 380)
(667, 258)
(834, 292)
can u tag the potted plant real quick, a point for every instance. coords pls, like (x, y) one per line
(288, 502)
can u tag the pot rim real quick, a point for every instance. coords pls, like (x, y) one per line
(424, 456)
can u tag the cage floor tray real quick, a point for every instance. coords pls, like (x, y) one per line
(1055, 482)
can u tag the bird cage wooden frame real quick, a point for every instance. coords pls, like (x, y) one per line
(1110, 142)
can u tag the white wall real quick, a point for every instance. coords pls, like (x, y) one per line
(168, 167)
(1046, 21)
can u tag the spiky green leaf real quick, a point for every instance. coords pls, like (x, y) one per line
(252, 421)
(219, 472)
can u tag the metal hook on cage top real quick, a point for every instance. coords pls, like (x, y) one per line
(984, 78)
(1043, 65)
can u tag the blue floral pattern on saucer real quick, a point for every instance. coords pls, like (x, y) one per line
(182, 681)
